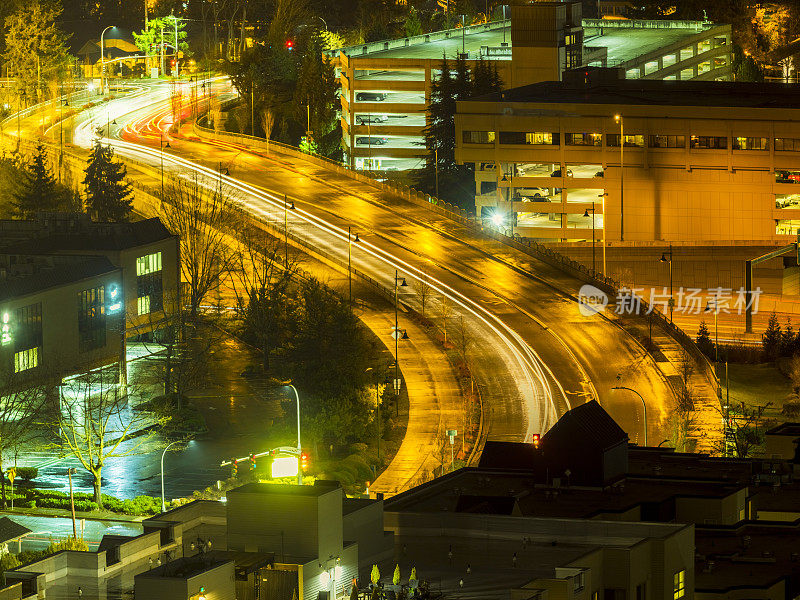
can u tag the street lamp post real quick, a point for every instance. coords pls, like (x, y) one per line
(163, 500)
(103, 59)
(586, 214)
(644, 406)
(70, 473)
(350, 241)
(716, 343)
(666, 257)
(618, 119)
(299, 447)
(162, 145)
(398, 283)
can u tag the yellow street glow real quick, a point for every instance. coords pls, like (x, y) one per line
(285, 466)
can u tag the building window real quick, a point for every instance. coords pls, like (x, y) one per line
(667, 141)
(26, 359)
(678, 585)
(477, 137)
(749, 143)
(148, 264)
(91, 319)
(149, 285)
(577, 582)
(536, 138)
(583, 139)
(631, 141)
(708, 142)
(787, 144)
(28, 327)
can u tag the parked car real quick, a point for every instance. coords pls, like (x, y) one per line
(370, 97)
(371, 141)
(364, 119)
(557, 173)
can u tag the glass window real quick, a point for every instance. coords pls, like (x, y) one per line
(143, 305)
(667, 141)
(787, 201)
(787, 176)
(749, 143)
(536, 138)
(631, 141)
(687, 53)
(28, 327)
(583, 139)
(708, 142)
(477, 137)
(91, 319)
(26, 359)
(148, 264)
(678, 585)
(787, 144)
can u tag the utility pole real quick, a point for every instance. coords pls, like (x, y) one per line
(177, 58)
(163, 70)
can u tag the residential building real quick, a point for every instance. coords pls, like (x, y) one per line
(75, 290)
(701, 161)
(386, 85)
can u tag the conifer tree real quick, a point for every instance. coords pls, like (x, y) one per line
(38, 190)
(703, 340)
(771, 338)
(108, 195)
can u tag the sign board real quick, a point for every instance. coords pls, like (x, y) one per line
(452, 433)
(285, 466)
(398, 384)
(5, 329)
(11, 474)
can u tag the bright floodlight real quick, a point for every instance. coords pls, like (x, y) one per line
(497, 219)
(285, 466)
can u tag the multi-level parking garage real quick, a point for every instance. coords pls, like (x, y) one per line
(386, 84)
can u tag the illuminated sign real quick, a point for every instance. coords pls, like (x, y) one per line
(115, 304)
(284, 466)
(5, 330)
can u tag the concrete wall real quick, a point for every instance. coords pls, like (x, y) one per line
(712, 511)
(365, 526)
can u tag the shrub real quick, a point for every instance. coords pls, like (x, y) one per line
(8, 561)
(68, 543)
(27, 473)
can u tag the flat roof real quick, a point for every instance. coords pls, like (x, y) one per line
(283, 489)
(46, 277)
(622, 43)
(645, 92)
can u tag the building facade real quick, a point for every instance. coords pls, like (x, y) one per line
(699, 161)
(386, 85)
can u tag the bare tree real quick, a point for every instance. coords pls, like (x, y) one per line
(462, 340)
(22, 403)
(96, 423)
(261, 287)
(746, 426)
(205, 217)
(682, 418)
(267, 123)
(445, 310)
(422, 290)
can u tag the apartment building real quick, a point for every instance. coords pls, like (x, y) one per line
(699, 162)
(74, 291)
(386, 85)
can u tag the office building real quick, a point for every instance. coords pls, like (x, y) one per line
(701, 162)
(386, 85)
(74, 290)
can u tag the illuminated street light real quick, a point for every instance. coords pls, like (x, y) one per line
(163, 501)
(666, 257)
(103, 59)
(586, 214)
(618, 119)
(299, 448)
(498, 219)
(644, 406)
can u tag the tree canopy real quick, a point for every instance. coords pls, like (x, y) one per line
(108, 194)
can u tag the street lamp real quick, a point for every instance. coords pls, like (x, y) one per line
(103, 58)
(163, 501)
(162, 145)
(644, 406)
(397, 334)
(586, 214)
(618, 119)
(287, 204)
(603, 196)
(666, 257)
(350, 241)
(299, 448)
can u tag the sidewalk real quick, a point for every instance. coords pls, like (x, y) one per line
(435, 403)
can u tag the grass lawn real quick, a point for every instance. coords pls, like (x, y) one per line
(757, 385)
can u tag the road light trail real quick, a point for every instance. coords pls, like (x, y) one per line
(540, 406)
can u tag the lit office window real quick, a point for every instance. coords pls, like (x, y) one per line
(708, 142)
(26, 359)
(678, 585)
(583, 139)
(534, 138)
(749, 143)
(477, 137)
(149, 285)
(631, 141)
(148, 264)
(667, 141)
(787, 144)
(91, 318)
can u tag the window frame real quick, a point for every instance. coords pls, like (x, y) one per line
(679, 584)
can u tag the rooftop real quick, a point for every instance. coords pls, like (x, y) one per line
(639, 92)
(787, 429)
(318, 489)
(54, 275)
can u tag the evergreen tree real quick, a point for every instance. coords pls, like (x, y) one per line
(788, 339)
(316, 97)
(771, 338)
(108, 195)
(703, 340)
(413, 26)
(38, 190)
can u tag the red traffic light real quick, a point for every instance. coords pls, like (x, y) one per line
(252, 461)
(303, 461)
(535, 440)
(289, 44)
